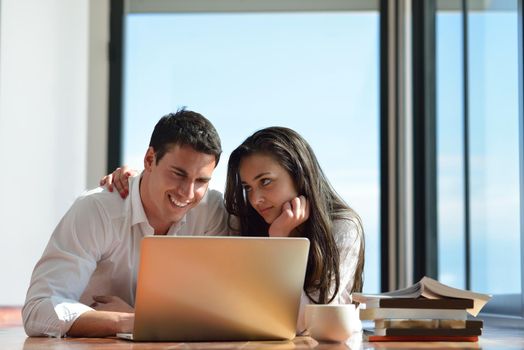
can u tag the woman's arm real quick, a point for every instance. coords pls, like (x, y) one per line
(294, 213)
(119, 179)
(350, 241)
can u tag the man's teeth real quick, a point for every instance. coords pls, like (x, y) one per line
(177, 203)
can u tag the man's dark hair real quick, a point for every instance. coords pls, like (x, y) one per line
(185, 128)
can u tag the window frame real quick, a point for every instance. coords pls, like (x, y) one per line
(521, 144)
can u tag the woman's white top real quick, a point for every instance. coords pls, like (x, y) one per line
(348, 238)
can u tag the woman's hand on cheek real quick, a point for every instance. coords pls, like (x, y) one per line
(294, 213)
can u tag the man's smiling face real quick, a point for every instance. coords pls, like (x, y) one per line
(175, 184)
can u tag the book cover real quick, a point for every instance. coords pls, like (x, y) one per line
(428, 323)
(464, 332)
(420, 338)
(435, 314)
(419, 303)
(430, 289)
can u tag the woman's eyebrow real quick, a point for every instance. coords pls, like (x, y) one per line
(261, 174)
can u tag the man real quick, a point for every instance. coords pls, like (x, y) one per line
(85, 282)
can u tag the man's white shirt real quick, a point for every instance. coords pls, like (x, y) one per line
(95, 249)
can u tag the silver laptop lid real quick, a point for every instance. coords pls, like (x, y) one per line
(219, 288)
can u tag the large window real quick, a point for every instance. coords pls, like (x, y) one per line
(244, 71)
(477, 69)
(316, 70)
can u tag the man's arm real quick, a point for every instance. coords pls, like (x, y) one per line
(102, 324)
(112, 315)
(61, 275)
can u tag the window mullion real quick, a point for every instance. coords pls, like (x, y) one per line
(465, 85)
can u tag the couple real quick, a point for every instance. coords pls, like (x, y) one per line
(85, 282)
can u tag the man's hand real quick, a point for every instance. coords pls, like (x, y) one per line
(112, 315)
(294, 213)
(102, 324)
(111, 303)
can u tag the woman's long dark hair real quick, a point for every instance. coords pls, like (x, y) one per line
(295, 155)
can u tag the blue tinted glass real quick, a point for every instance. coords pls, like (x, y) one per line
(307, 71)
(450, 157)
(494, 162)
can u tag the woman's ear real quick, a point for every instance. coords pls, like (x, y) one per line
(149, 159)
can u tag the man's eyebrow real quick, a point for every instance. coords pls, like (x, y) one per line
(184, 173)
(204, 178)
(180, 170)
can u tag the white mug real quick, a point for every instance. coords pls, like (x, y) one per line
(333, 323)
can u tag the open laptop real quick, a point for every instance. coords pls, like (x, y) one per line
(218, 288)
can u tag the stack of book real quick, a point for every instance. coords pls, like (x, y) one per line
(426, 311)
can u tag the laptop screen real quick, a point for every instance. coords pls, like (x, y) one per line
(219, 288)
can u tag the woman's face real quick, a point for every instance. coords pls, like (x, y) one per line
(267, 185)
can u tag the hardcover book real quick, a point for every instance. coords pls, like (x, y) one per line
(428, 323)
(427, 288)
(417, 338)
(435, 314)
(419, 303)
(464, 332)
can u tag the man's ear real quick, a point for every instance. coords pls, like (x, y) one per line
(149, 159)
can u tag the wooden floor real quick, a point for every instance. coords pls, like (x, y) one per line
(15, 339)
(10, 317)
(12, 336)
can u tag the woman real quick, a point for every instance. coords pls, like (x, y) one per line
(275, 187)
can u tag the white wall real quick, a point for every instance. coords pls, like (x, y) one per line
(52, 76)
(98, 74)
